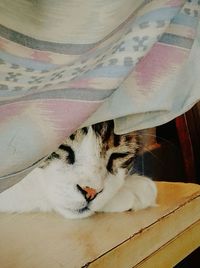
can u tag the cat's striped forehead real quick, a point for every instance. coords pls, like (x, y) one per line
(98, 141)
(105, 133)
(118, 150)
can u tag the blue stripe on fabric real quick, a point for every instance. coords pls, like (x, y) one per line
(27, 63)
(84, 94)
(33, 43)
(185, 20)
(158, 14)
(176, 40)
(65, 48)
(108, 71)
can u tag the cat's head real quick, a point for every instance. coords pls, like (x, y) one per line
(87, 162)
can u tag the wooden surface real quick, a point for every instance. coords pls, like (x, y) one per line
(177, 248)
(105, 240)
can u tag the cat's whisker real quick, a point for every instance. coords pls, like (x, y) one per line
(153, 154)
(159, 137)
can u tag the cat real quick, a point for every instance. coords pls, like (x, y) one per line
(88, 173)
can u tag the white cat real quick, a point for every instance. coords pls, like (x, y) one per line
(88, 173)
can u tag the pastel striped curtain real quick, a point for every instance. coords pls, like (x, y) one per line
(70, 63)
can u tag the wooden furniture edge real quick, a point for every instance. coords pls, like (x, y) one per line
(134, 246)
(175, 250)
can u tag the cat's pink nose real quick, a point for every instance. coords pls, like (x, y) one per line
(88, 192)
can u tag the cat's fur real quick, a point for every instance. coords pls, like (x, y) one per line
(88, 173)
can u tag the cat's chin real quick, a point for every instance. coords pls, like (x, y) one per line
(75, 213)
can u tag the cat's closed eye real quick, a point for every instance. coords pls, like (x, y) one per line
(113, 157)
(70, 156)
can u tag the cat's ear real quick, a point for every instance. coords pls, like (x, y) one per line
(104, 129)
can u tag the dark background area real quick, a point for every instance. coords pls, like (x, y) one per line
(164, 161)
(175, 156)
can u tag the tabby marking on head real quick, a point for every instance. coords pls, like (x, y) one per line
(118, 151)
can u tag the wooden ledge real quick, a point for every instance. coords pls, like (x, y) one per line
(131, 239)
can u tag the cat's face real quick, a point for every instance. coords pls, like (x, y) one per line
(85, 162)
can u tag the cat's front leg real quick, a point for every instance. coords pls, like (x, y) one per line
(137, 193)
(113, 183)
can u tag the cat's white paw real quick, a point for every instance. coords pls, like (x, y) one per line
(144, 191)
(112, 186)
(122, 201)
(137, 193)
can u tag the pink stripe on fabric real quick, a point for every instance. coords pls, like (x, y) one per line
(175, 3)
(80, 83)
(66, 116)
(161, 59)
(11, 110)
(60, 117)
